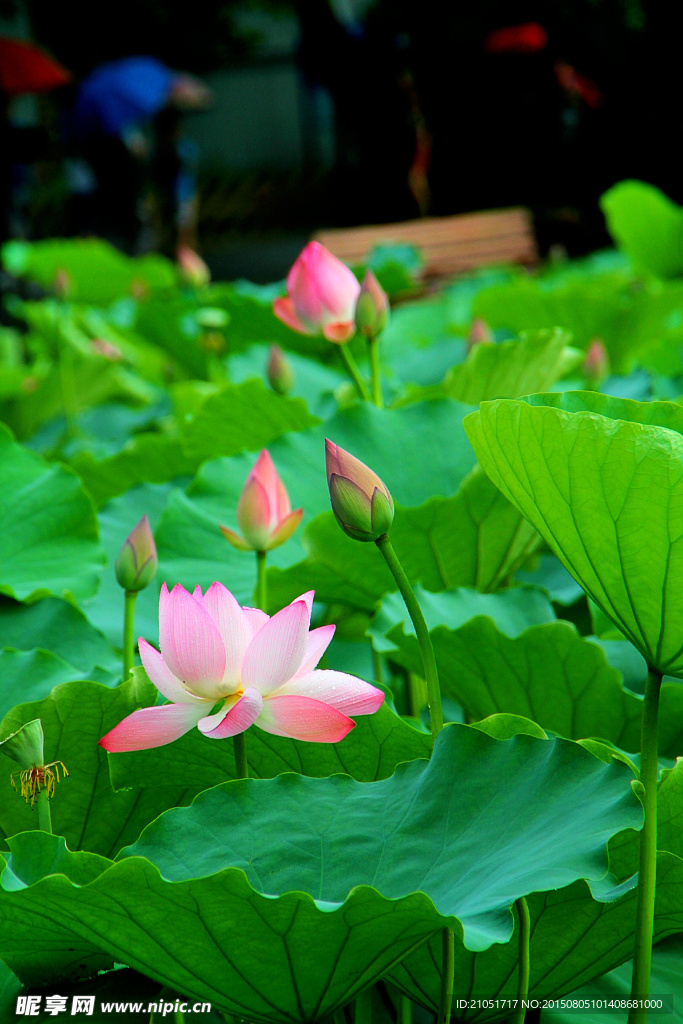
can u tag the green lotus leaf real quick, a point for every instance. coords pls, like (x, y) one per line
(378, 868)
(48, 528)
(545, 672)
(602, 481)
(30, 676)
(647, 225)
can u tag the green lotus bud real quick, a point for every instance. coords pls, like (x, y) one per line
(361, 502)
(279, 371)
(372, 307)
(136, 565)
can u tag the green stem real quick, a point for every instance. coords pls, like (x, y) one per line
(524, 959)
(423, 637)
(179, 1017)
(373, 349)
(352, 368)
(261, 582)
(363, 1008)
(44, 815)
(376, 665)
(405, 1010)
(647, 871)
(129, 633)
(447, 976)
(241, 766)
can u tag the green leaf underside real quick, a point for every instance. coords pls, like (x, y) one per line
(607, 496)
(48, 541)
(343, 918)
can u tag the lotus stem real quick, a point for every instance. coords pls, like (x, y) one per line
(261, 582)
(405, 1010)
(376, 665)
(363, 1007)
(129, 633)
(647, 873)
(373, 350)
(447, 976)
(524, 959)
(44, 813)
(352, 368)
(423, 637)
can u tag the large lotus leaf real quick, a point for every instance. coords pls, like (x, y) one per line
(647, 225)
(666, 978)
(224, 422)
(576, 936)
(117, 519)
(546, 672)
(371, 751)
(378, 867)
(57, 626)
(631, 321)
(48, 528)
(604, 487)
(97, 272)
(85, 809)
(31, 675)
(575, 939)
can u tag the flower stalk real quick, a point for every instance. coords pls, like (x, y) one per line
(128, 632)
(353, 372)
(524, 969)
(647, 873)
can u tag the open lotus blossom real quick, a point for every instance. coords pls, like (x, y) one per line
(321, 295)
(261, 670)
(264, 514)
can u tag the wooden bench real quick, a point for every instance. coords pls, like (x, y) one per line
(450, 245)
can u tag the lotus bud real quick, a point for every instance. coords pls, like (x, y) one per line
(596, 363)
(62, 283)
(192, 268)
(480, 334)
(372, 308)
(361, 502)
(279, 371)
(321, 295)
(136, 565)
(264, 514)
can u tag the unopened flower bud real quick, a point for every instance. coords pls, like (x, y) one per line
(361, 502)
(279, 371)
(264, 513)
(62, 283)
(136, 565)
(596, 363)
(372, 307)
(192, 268)
(480, 334)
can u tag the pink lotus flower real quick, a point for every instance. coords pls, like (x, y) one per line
(264, 514)
(321, 295)
(262, 669)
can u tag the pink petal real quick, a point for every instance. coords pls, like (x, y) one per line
(153, 727)
(197, 593)
(163, 600)
(284, 310)
(281, 500)
(277, 650)
(307, 598)
(285, 529)
(301, 718)
(233, 627)
(191, 644)
(346, 693)
(256, 618)
(335, 284)
(317, 642)
(339, 332)
(264, 471)
(237, 718)
(161, 675)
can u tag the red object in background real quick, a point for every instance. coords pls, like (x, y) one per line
(527, 38)
(577, 86)
(24, 68)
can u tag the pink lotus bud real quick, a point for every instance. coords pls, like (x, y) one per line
(192, 268)
(139, 289)
(480, 334)
(62, 283)
(361, 503)
(136, 565)
(279, 371)
(596, 363)
(321, 295)
(372, 308)
(264, 513)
